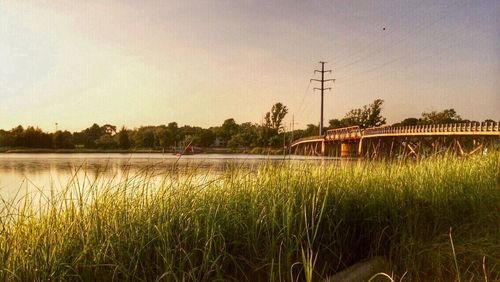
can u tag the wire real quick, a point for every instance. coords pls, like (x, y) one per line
(377, 39)
(418, 51)
(304, 97)
(405, 37)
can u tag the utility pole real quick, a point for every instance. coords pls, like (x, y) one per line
(322, 80)
(292, 126)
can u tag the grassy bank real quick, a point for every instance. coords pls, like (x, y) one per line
(299, 222)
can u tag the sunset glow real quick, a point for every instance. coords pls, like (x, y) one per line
(136, 63)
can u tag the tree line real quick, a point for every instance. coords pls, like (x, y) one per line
(229, 134)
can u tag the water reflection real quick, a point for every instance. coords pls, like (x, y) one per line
(33, 173)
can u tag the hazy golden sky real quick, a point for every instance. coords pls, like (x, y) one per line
(138, 63)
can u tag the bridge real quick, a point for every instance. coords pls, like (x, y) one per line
(402, 141)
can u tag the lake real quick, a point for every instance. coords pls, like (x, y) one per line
(22, 174)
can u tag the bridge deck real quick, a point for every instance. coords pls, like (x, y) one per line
(355, 133)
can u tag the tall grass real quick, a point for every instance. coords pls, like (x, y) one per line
(278, 222)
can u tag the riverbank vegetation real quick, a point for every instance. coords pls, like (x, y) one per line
(433, 220)
(270, 135)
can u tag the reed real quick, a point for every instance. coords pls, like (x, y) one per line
(276, 222)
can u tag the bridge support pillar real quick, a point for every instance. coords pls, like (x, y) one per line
(345, 150)
(323, 148)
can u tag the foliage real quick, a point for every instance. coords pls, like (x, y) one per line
(229, 134)
(434, 117)
(63, 140)
(274, 118)
(30, 137)
(228, 129)
(336, 123)
(106, 141)
(273, 223)
(367, 116)
(123, 139)
(445, 116)
(410, 122)
(145, 137)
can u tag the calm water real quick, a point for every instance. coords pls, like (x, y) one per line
(32, 173)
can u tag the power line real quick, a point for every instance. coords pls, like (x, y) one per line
(413, 53)
(345, 55)
(405, 37)
(303, 97)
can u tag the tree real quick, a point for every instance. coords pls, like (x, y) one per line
(163, 137)
(207, 137)
(123, 139)
(409, 122)
(173, 128)
(62, 140)
(249, 134)
(367, 116)
(275, 117)
(106, 141)
(335, 123)
(375, 117)
(445, 116)
(311, 130)
(145, 137)
(228, 129)
(108, 129)
(90, 135)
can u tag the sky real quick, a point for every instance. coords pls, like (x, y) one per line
(151, 62)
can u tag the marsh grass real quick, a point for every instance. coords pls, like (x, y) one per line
(276, 222)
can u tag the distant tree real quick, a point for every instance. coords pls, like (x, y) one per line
(35, 138)
(445, 116)
(17, 136)
(173, 128)
(62, 140)
(235, 141)
(123, 139)
(375, 117)
(335, 123)
(265, 134)
(6, 139)
(106, 141)
(410, 121)
(145, 137)
(249, 134)
(207, 138)
(91, 134)
(228, 129)
(367, 116)
(311, 130)
(108, 129)
(275, 117)
(163, 138)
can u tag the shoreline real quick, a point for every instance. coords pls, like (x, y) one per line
(253, 151)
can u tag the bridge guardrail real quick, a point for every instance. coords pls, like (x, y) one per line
(435, 128)
(356, 133)
(345, 133)
(307, 138)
